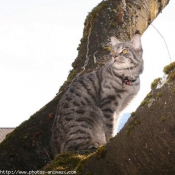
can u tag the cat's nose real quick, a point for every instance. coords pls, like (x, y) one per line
(119, 59)
(115, 58)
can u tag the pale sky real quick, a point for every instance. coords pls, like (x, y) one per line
(38, 41)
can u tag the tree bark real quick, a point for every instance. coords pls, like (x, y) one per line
(28, 147)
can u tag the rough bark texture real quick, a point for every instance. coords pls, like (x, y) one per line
(28, 147)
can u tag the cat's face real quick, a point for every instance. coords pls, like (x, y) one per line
(127, 54)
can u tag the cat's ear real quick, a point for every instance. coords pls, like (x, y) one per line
(114, 41)
(136, 41)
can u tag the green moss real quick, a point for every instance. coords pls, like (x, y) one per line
(143, 102)
(134, 122)
(88, 22)
(96, 11)
(64, 162)
(159, 94)
(128, 132)
(132, 114)
(113, 24)
(70, 162)
(167, 69)
(107, 48)
(80, 167)
(101, 152)
(146, 99)
(137, 122)
(131, 126)
(111, 138)
(83, 39)
(171, 77)
(155, 82)
(163, 118)
(149, 95)
(72, 75)
(98, 8)
(114, 10)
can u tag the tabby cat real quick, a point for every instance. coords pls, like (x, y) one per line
(87, 112)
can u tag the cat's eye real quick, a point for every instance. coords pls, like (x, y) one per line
(124, 51)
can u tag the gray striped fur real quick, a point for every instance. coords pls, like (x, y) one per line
(87, 112)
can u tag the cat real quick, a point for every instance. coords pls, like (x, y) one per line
(87, 112)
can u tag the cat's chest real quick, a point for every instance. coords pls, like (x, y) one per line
(117, 88)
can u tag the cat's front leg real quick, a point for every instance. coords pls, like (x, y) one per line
(110, 120)
(108, 135)
(109, 125)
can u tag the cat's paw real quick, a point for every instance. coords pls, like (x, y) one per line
(89, 150)
(92, 149)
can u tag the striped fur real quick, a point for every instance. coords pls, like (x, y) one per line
(87, 112)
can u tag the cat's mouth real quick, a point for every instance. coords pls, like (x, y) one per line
(119, 61)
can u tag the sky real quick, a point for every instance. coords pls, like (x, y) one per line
(38, 42)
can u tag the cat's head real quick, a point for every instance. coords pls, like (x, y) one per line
(126, 54)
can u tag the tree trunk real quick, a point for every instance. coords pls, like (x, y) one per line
(28, 147)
